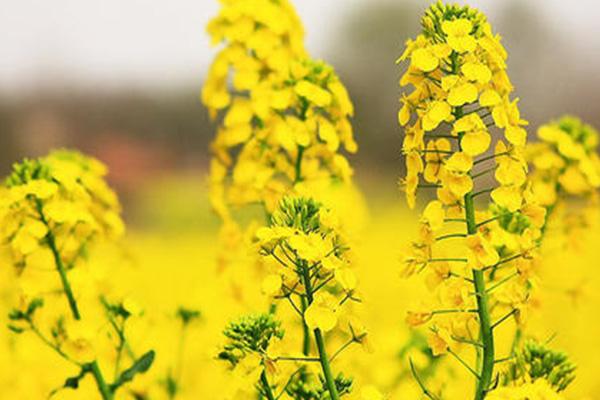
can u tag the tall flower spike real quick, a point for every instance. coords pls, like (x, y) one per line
(280, 136)
(51, 210)
(461, 91)
(313, 273)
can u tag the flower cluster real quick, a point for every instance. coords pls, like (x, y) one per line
(458, 70)
(52, 210)
(565, 160)
(535, 361)
(287, 117)
(57, 202)
(291, 139)
(262, 38)
(479, 275)
(309, 265)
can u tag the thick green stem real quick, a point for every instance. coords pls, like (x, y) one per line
(486, 331)
(329, 379)
(487, 336)
(305, 329)
(320, 342)
(103, 388)
(266, 386)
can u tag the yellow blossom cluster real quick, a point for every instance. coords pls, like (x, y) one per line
(565, 160)
(263, 38)
(53, 209)
(480, 274)
(62, 198)
(309, 266)
(286, 117)
(461, 90)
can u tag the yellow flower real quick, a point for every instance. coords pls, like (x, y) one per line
(313, 93)
(438, 111)
(424, 60)
(439, 342)
(462, 94)
(321, 314)
(459, 37)
(489, 98)
(434, 215)
(311, 247)
(481, 252)
(475, 143)
(476, 72)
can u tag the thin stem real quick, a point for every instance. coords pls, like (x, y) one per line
(305, 329)
(51, 240)
(105, 391)
(502, 281)
(484, 172)
(447, 260)
(266, 386)
(53, 346)
(342, 348)
(490, 157)
(320, 342)
(103, 388)
(424, 389)
(484, 191)
(451, 235)
(501, 320)
(464, 363)
(299, 359)
(298, 165)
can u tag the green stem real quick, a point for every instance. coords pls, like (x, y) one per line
(485, 325)
(320, 342)
(266, 386)
(305, 329)
(105, 391)
(487, 336)
(103, 388)
(298, 166)
(59, 264)
(329, 380)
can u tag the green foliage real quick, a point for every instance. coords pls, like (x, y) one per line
(187, 315)
(440, 12)
(249, 334)
(512, 222)
(27, 171)
(140, 366)
(579, 131)
(19, 316)
(297, 212)
(308, 387)
(535, 361)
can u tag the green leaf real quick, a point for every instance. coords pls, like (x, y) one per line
(16, 329)
(73, 381)
(140, 366)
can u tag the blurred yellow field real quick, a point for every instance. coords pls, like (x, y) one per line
(285, 270)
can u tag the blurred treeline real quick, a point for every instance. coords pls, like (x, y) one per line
(142, 132)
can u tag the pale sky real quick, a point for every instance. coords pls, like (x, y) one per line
(161, 43)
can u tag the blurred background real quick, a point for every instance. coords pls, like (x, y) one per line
(120, 79)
